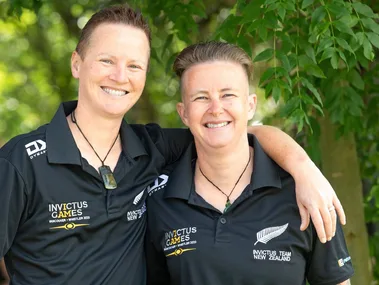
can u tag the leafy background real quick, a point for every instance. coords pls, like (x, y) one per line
(316, 75)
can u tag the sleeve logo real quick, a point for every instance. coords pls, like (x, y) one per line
(35, 148)
(268, 234)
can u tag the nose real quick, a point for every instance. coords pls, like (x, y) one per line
(216, 108)
(119, 74)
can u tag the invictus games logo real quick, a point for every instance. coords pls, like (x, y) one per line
(178, 238)
(35, 148)
(68, 213)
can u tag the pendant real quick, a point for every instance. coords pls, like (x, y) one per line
(108, 178)
(227, 205)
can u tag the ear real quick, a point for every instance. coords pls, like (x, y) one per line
(182, 112)
(75, 64)
(252, 103)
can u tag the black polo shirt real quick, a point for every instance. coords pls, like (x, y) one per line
(257, 241)
(58, 224)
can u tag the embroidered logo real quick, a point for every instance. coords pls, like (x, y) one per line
(342, 261)
(158, 184)
(72, 214)
(138, 198)
(176, 239)
(136, 214)
(268, 234)
(35, 148)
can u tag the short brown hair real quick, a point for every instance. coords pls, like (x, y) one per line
(212, 51)
(120, 14)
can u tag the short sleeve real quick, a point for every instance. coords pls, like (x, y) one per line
(12, 204)
(172, 142)
(329, 263)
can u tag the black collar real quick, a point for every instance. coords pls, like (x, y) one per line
(61, 146)
(266, 172)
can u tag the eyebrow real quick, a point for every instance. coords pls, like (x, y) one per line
(113, 56)
(202, 91)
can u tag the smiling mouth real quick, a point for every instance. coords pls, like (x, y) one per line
(114, 92)
(219, 125)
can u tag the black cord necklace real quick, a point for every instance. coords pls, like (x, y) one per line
(105, 171)
(227, 204)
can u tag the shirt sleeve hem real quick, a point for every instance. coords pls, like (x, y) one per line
(335, 281)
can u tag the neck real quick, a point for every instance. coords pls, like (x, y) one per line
(225, 165)
(100, 131)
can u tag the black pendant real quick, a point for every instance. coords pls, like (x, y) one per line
(108, 177)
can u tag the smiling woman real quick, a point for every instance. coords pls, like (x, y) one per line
(241, 204)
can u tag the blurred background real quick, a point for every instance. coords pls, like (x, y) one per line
(315, 73)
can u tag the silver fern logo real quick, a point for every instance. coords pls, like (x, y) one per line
(268, 234)
(138, 198)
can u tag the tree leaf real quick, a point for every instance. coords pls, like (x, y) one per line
(363, 9)
(311, 88)
(373, 38)
(356, 80)
(367, 49)
(306, 3)
(310, 52)
(344, 45)
(370, 24)
(328, 53)
(266, 75)
(343, 28)
(264, 55)
(276, 92)
(314, 70)
(281, 12)
(318, 15)
(334, 60)
(285, 62)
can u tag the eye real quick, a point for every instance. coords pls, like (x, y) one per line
(135, 66)
(200, 98)
(228, 95)
(106, 61)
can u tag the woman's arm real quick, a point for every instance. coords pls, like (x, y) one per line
(314, 194)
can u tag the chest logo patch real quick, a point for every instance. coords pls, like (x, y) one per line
(268, 234)
(176, 239)
(138, 198)
(72, 214)
(264, 236)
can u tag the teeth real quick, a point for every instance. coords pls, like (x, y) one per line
(114, 92)
(212, 126)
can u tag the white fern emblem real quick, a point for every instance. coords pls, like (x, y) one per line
(138, 197)
(268, 234)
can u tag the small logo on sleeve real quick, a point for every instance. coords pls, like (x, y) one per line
(158, 184)
(35, 148)
(342, 261)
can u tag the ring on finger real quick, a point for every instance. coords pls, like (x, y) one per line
(330, 209)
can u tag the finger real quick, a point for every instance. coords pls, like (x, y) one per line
(305, 219)
(333, 217)
(339, 209)
(328, 224)
(319, 224)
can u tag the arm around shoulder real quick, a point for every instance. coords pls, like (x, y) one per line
(314, 194)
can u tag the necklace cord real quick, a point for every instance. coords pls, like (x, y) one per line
(218, 188)
(73, 119)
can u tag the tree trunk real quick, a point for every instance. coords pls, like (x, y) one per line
(341, 167)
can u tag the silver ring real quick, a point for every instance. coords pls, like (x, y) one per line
(331, 208)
